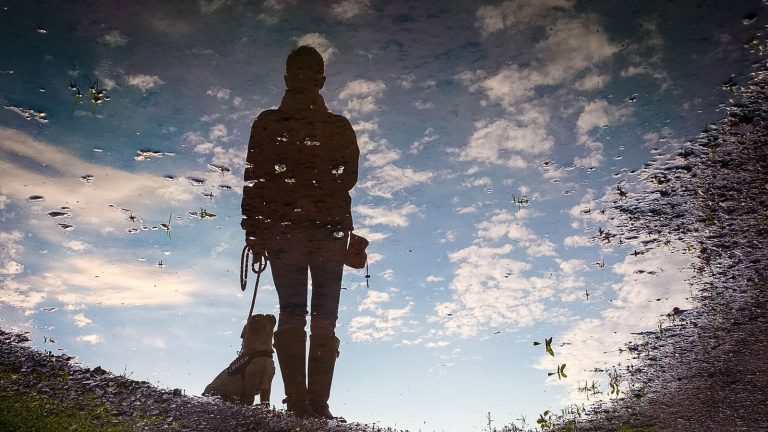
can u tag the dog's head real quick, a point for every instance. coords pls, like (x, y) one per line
(258, 330)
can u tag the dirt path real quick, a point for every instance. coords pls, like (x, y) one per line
(707, 371)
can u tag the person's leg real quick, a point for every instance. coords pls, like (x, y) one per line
(326, 267)
(289, 272)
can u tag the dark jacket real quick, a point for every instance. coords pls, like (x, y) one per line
(302, 163)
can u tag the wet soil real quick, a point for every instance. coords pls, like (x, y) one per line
(706, 370)
(138, 403)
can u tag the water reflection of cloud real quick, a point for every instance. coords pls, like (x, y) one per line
(94, 279)
(649, 289)
(39, 168)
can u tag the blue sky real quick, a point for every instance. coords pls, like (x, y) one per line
(460, 109)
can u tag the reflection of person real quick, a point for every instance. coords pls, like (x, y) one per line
(302, 163)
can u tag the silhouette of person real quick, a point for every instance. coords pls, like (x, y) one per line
(302, 163)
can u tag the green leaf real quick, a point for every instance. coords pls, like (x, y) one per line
(548, 346)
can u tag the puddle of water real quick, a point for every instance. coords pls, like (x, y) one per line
(513, 182)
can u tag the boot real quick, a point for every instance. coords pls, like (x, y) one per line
(323, 351)
(290, 345)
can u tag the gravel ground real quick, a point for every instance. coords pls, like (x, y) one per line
(138, 402)
(706, 370)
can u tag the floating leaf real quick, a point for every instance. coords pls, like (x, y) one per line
(548, 346)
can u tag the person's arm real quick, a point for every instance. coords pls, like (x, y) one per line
(348, 154)
(253, 190)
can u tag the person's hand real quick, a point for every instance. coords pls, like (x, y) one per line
(255, 244)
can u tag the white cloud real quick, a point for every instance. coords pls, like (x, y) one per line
(384, 324)
(571, 47)
(365, 126)
(3, 201)
(209, 6)
(348, 9)
(433, 278)
(397, 217)
(577, 241)
(388, 274)
(95, 279)
(592, 81)
(60, 184)
(489, 292)
(429, 136)
(359, 97)
(542, 248)
(598, 114)
(318, 42)
(372, 236)
(114, 38)
(143, 82)
(227, 156)
(477, 182)
(77, 245)
(377, 152)
(219, 93)
(81, 320)
(373, 301)
(389, 179)
(572, 266)
(423, 105)
(273, 9)
(218, 133)
(515, 13)
(504, 225)
(406, 80)
(595, 342)
(509, 142)
(92, 339)
(9, 253)
(490, 288)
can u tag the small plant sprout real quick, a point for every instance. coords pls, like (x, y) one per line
(96, 95)
(167, 226)
(520, 202)
(205, 214)
(561, 372)
(730, 85)
(621, 193)
(660, 332)
(614, 382)
(548, 346)
(545, 420)
(78, 96)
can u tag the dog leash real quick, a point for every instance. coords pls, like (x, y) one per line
(248, 257)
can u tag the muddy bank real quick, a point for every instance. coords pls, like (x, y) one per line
(137, 403)
(704, 370)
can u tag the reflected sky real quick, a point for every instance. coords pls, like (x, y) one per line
(494, 140)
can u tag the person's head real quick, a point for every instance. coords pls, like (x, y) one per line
(304, 69)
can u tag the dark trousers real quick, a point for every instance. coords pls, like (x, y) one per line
(294, 255)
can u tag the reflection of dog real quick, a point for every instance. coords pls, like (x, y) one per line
(252, 371)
